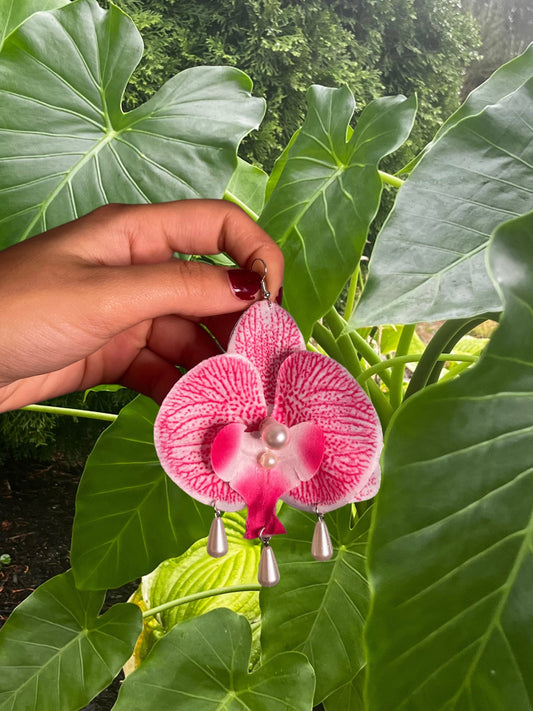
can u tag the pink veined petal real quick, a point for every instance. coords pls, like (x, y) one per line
(221, 390)
(235, 456)
(312, 387)
(371, 488)
(266, 335)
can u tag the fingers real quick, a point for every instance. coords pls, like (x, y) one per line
(148, 234)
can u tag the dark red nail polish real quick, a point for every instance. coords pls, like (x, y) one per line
(244, 284)
(279, 297)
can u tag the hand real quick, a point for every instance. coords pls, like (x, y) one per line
(102, 300)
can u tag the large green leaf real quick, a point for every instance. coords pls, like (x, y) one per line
(319, 608)
(202, 665)
(130, 516)
(451, 564)
(14, 12)
(429, 260)
(328, 194)
(503, 82)
(56, 654)
(66, 145)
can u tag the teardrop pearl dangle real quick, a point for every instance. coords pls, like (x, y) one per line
(321, 548)
(217, 541)
(268, 573)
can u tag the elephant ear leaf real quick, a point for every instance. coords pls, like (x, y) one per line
(203, 664)
(450, 558)
(56, 633)
(181, 144)
(429, 261)
(312, 213)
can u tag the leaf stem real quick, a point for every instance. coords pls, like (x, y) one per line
(72, 412)
(200, 596)
(429, 368)
(413, 358)
(390, 179)
(398, 370)
(352, 291)
(326, 341)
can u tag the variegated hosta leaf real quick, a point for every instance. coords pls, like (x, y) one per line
(194, 572)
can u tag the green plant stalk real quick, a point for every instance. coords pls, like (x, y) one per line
(444, 340)
(326, 341)
(398, 370)
(380, 402)
(390, 179)
(467, 358)
(352, 291)
(72, 412)
(201, 596)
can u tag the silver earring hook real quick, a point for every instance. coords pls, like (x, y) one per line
(266, 292)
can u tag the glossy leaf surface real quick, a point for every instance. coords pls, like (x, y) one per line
(328, 194)
(450, 560)
(429, 260)
(180, 144)
(202, 665)
(319, 608)
(56, 654)
(129, 515)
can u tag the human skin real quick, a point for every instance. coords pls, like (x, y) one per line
(103, 300)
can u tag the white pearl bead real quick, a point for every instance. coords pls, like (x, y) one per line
(275, 435)
(267, 460)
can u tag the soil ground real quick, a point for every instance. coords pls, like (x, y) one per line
(36, 514)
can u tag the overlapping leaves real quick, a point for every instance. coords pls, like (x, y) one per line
(202, 665)
(66, 146)
(319, 608)
(450, 558)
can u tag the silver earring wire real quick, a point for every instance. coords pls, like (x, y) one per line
(266, 292)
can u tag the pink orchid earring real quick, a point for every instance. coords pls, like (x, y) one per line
(270, 420)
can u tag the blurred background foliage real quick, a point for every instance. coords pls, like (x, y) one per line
(375, 47)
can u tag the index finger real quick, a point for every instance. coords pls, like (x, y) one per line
(148, 234)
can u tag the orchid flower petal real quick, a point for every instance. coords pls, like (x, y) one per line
(312, 387)
(266, 335)
(371, 488)
(236, 457)
(221, 390)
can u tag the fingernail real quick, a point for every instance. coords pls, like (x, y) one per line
(244, 284)
(279, 297)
